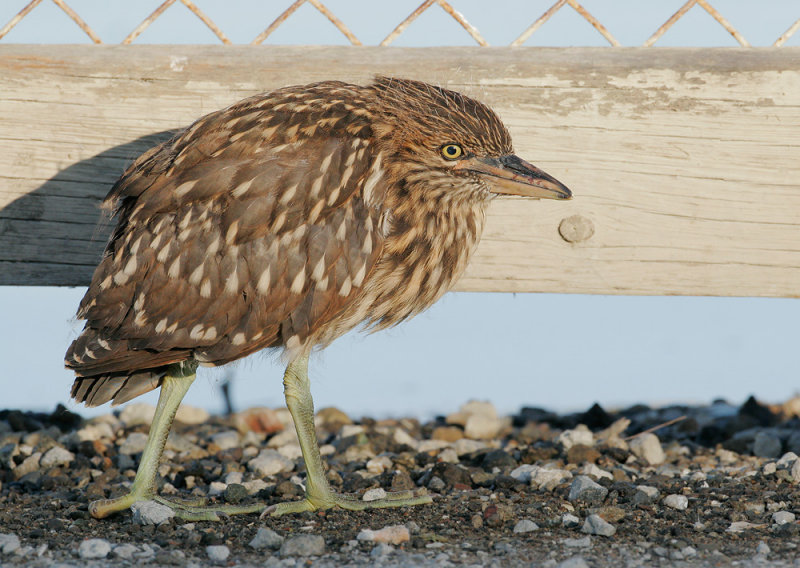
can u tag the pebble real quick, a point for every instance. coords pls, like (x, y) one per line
(133, 444)
(573, 562)
(570, 521)
(740, 526)
(94, 548)
(380, 550)
(374, 494)
(585, 542)
(56, 456)
(678, 502)
(783, 517)
(379, 464)
(766, 445)
(226, 440)
(481, 427)
(391, 534)
(303, 545)
(584, 488)
(547, 479)
(270, 462)
(218, 553)
(266, 538)
(645, 494)
(595, 524)
(9, 543)
(525, 526)
(191, 415)
(125, 551)
(579, 435)
(151, 513)
(648, 447)
(137, 413)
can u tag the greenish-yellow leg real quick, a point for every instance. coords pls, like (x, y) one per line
(173, 389)
(319, 494)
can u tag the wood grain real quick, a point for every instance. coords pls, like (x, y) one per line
(685, 163)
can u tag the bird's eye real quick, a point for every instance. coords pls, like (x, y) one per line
(452, 151)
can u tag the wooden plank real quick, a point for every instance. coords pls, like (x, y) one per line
(684, 162)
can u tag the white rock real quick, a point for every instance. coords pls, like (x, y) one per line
(303, 545)
(291, 451)
(769, 468)
(467, 446)
(216, 488)
(594, 471)
(255, 485)
(525, 526)
(648, 447)
(763, 549)
(133, 444)
(9, 543)
(266, 538)
(218, 553)
(650, 492)
(137, 413)
(523, 473)
(584, 542)
(787, 458)
(548, 479)
(379, 464)
(570, 521)
(374, 494)
(782, 517)
(678, 502)
(580, 435)
(481, 427)
(151, 513)
(226, 440)
(269, 462)
(448, 455)
(29, 464)
(234, 477)
(56, 456)
(432, 445)
(95, 431)
(191, 415)
(573, 562)
(94, 548)
(741, 526)
(392, 534)
(125, 551)
(284, 438)
(351, 430)
(404, 438)
(595, 524)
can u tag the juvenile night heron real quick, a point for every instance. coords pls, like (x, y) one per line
(284, 221)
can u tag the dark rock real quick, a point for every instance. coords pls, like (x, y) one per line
(452, 474)
(596, 418)
(762, 415)
(235, 493)
(499, 459)
(285, 489)
(401, 481)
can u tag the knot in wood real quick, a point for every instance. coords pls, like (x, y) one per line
(576, 229)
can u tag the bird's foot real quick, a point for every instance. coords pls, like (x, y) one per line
(189, 510)
(351, 503)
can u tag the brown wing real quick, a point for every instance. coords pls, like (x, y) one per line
(229, 245)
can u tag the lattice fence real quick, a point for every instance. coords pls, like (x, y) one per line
(400, 28)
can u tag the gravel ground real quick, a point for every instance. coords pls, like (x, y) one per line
(716, 486)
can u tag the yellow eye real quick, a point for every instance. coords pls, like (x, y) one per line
(452, 151)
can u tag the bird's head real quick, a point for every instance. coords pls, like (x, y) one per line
(452, 143)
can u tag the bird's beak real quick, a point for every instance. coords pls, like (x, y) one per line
(511, 175)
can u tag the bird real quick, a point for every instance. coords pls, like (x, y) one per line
(282, 222)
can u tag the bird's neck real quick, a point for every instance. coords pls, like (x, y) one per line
(430, 240)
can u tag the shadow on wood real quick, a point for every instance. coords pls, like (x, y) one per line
(57, 233)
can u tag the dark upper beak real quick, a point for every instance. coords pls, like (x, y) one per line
(512, 175)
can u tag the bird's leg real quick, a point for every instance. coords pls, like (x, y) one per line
(319, 494)
(173, 388)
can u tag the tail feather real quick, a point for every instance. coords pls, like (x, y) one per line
(98, 390)
(111, 370)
